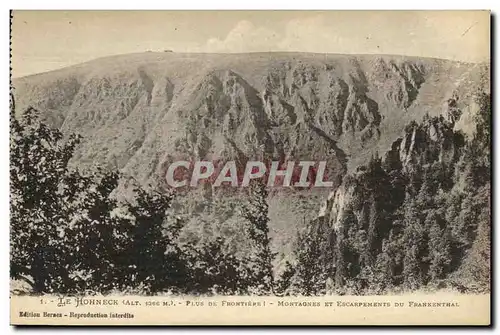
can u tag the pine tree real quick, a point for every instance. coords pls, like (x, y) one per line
(346, 257)
(256, 213)
(439, 248)
(477, 265)
(383, 278)
(285, 280)
(314, 259)
(413, 239)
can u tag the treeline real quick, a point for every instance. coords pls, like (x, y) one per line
(69, 234)
(420, 218)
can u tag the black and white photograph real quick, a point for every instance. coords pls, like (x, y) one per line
(274, 161)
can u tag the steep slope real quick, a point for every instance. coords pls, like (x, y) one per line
(422, 145)
(140, 112)
(415, 218)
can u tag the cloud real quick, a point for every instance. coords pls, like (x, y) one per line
(310, 35)
(244, 37)
(319, 33)
(457, 36)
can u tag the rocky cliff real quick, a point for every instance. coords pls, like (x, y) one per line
(138, 112)
(434, 141)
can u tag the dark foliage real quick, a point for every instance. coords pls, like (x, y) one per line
(70, 235)
(420, 218)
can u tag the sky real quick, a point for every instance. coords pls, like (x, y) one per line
(49, 40)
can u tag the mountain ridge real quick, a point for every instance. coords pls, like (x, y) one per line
(139, 113)
(274, 53)
(144, 91)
